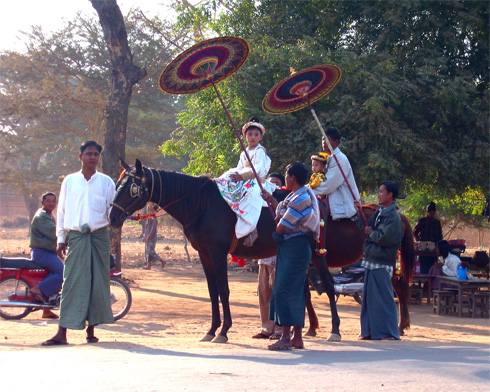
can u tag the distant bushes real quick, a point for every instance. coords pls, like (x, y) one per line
(16, 222)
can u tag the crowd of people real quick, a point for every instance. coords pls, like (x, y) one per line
(80, 238)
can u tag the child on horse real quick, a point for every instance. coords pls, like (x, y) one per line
(318, 165)
(239, 187)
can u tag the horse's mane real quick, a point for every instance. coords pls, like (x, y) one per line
(187, 195)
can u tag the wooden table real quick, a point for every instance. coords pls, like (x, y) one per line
(467, 284)
(427, 281)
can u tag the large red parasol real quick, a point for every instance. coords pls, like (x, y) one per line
(301, 89)
(202, 66)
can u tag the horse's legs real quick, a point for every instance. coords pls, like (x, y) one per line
(402, 291)
(312, 317)
(213, 295)
(321, 266)
(221, 272)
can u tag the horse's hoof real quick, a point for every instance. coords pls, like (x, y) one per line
(334, 337)
(310, 333)
(220, 339)
(207, 338)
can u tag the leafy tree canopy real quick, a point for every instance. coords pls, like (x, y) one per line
(52, 98)
(412, 104)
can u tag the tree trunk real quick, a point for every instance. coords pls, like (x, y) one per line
(124, 76)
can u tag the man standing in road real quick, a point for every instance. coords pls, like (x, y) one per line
(83, 208)
(379, 317)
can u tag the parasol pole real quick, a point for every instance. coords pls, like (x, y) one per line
(237, 134)
(335, 157)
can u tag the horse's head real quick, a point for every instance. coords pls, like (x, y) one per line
(131, 193)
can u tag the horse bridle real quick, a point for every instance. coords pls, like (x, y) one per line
(136, 191)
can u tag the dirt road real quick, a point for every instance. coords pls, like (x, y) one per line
(171, 312)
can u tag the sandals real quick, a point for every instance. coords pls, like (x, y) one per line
(51, 342)
(40, 297)
(260, 335)
(92, 339)
(279, 347)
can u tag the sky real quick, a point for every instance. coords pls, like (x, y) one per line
(49, 14)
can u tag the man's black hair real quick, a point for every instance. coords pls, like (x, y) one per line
(280, 177)
(333, 133)
(391, 187)
(431, 207)
(298, 170)
(90, 143)
(46, 194)
(444, 248)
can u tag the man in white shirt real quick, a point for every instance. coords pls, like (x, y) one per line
(83, 208)
(334, 186)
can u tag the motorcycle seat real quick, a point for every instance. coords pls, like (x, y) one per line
(17, 262)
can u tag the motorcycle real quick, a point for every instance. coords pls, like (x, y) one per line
(349, 282)
(18, 275)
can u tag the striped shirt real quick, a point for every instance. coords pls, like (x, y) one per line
(296, 209)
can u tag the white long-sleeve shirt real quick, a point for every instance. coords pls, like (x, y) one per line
(84, 202)
(260, 160)
(334, 186)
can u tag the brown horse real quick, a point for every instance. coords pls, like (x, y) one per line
(209, 224)
(344, 242)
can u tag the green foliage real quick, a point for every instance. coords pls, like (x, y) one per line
(453, 210)
(412, 104)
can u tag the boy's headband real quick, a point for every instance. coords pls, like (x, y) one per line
(253, 124)
(321, 156)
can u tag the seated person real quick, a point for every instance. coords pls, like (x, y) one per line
(318, 164)
(42, 235)
(238, 186)
(447, 265)
(335, 188)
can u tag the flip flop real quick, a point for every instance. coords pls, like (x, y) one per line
(260, 335)
(50, 316)
(275, 336)
(298, 347)
(279, 347)
(51, 342)
(40, 297)
(92, 339)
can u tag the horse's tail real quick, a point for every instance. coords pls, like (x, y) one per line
(402, 286)
(407, 250)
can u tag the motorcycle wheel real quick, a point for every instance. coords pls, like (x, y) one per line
(121, 298)
(7, 288)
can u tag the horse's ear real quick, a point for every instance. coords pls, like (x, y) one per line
(139, 166)
(124, 164)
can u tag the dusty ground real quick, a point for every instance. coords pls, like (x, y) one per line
(171, 308)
